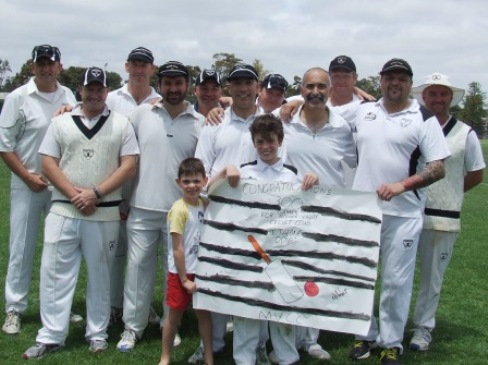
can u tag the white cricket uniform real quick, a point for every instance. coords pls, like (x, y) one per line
(442, 221)
(123, 102)
(88, 152)
(247, 331)
(164, 142)
(392, 147)
(229, 142)
(25, 117)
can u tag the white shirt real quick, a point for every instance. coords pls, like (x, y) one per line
(260, 170)
(122, 101)
(25, 117)
(386, 145)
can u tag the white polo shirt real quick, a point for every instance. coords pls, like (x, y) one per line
(124, 103)
(229, 142)
(260, 170)
(321, 153)
(386, 145)
(24, 120)
(164, 142)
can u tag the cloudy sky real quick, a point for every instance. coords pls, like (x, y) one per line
(288, 36)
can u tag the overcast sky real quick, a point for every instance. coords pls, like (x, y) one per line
(288, 36)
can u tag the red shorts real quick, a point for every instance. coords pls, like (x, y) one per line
(176, 296)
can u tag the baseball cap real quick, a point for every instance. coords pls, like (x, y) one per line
(342, 62)
(243, 70)
(172, 69)
(208, 74)
(397, 64)
(45, 50)
(438, 79)
(274, 81)
(94, 74)
(141, 54)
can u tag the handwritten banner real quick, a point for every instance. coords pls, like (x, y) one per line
(271, 251)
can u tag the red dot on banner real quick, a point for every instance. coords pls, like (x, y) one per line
(311, 289)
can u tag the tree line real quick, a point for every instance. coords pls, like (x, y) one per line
(473, 110)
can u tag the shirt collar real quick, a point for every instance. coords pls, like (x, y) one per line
(77, 110)
(262, 166)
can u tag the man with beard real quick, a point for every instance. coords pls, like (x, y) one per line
(442, 220)
(398, 155)
(167, 133)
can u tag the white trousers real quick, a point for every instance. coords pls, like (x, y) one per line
(26, 208)
(399, 240)
(66, 241)
(247, 333)
(435, 252)
(306, 337)
(117, 272)
(146, 230)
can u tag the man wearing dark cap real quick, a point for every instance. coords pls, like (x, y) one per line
(208, 90)
(167, 133)
(140, 67)
(398, 155)
(86, 155)
(272, 92)
(24, 120)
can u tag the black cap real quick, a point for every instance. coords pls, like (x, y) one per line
(243, 70)
(208, 74)
(397, 64)
(274, 81)
(94, 74)
(47, 51)
(342, 62)
(173, 69)
(141, 54)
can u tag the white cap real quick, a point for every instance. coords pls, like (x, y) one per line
(438, 79)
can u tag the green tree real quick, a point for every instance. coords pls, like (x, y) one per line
(294, 87)
(223, 62)
(474, 112)
(4, 68)
(371, 85)
(20, 78)
(258, 65)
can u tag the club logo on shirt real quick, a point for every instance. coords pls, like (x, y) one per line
(88, 153)
(370, 116)
(407, 243)
(405, 122)
(444, 256)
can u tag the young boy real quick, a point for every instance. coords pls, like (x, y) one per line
(184, 228)
(267, 135)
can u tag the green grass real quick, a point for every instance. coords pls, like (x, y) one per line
(461, 336)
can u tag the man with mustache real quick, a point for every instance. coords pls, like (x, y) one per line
(398, 154)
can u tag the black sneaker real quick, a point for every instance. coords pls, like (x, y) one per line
(361, 349)
(390, 356)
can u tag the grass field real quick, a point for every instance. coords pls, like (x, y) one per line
(461, 336)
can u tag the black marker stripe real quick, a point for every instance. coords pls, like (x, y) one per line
(260, 303)
(339, 213)
(334, 281)
(224, 279)
(230, 227)
(230, 264)
(305, 266)
(319, 237)
(221, 199)
(231, 251)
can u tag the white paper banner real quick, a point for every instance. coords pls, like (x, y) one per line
(271, 251)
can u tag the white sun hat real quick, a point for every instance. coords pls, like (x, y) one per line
(438, 79)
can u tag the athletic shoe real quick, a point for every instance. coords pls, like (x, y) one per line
(127, 342)
(153, 317)
(362, 349)
(177, 340)
(262, 356)
(115, 315)
(273, 359)
(197, 357)
(12, 323)
(98, 345)
(40, 349)
(317, 352)
(421, 339)
(390, 356)
(75, 318)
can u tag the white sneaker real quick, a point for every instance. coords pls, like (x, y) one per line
(98, 346)
(421, 339)
(177, 340)
(197, 357)
(75, 318)
(127, 342)
(153, 317)
(12, 323)
(273, 359)
(317, 352)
